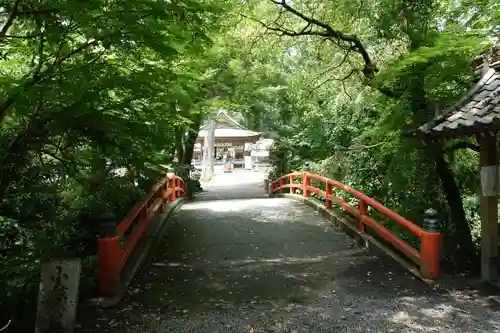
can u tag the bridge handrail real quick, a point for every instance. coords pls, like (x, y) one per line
(115, 248)
(427, 258)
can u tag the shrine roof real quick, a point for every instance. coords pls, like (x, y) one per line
(231, 133)
(477, 112)
(227, 127)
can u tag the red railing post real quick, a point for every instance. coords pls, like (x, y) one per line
(167, 188)
(363, 211)
(429, 256)
(171, 187)
(429, 246)
(161, 194)
(109, 256)
(143, 221)
(306, 182)
(112, 255)
(328, 200)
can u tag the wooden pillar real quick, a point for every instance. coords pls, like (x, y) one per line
(211, 146)
(204, 156)
(208, 152)
(489, 208)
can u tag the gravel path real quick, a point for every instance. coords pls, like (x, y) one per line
(275, 265)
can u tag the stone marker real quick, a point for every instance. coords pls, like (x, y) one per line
(58, 296)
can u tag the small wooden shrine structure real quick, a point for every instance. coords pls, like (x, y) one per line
(222, 144)
(477, 114)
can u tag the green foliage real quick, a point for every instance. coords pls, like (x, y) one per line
(92, 95)
(96, 98)
(307, 90)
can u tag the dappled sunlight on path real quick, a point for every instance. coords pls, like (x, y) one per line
(277, 266)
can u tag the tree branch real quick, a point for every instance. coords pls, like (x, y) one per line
(40, 57)
(348, 42)
(330, 68)
(463, 145)
(369, 70)
(304, 32)
(40, 76)
(361, 147)
(23, 37)
(46, 73)
(10, 20)
(336, 79)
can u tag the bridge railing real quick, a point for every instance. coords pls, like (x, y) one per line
(428, 256)
(117, 242)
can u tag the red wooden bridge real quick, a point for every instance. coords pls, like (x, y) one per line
(302, 253)
(117, 243)
(115, 248)
(426, 257)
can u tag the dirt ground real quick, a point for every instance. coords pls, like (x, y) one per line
(236, 261)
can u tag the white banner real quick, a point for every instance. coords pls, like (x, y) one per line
(489, 180)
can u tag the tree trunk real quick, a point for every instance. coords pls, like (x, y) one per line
(422, 111)
(188, 144)
(465, 252)
(189, 147)
(179, 144)
(15, 154)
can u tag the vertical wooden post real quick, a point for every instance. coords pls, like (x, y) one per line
(176, 185)
(306, 182)
(430, 245)
(161, 194)
(363, 211)
(292, 181)
(282, 183)
(110, 259)
(204, 159)
(328, 200)
(209, 143)
(489, 208)
(174, 193)
(171, 186)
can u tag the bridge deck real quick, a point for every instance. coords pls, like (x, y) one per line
(277, 266)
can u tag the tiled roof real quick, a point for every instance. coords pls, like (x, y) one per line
(478, 111)
(230, 133)
(263, 144)
(224, 121)
(227, 127)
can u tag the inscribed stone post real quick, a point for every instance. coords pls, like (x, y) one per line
(58, 296)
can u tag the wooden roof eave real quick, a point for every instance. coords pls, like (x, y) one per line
(470, 93)
(230, 139)
(436, 127)
(464, 131)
